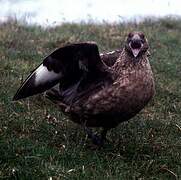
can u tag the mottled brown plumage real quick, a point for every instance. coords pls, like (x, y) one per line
(99, 91)
(118, 97)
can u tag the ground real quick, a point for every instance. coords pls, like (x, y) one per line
(38, 142)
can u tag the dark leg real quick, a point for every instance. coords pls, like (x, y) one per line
(96, 139)
(104, 133)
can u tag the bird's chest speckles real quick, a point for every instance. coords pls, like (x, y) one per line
(132, 88)
(136, 80)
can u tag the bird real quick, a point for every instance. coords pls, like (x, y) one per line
(93, 89)
(109, 58)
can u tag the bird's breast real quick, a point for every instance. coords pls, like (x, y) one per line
(135, 88)
(128, 94)
(132, 89)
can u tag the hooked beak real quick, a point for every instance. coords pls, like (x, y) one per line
(135, 46)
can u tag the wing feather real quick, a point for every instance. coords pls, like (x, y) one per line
(65, 65)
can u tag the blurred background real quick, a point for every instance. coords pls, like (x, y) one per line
(38, 142)
(54, 12)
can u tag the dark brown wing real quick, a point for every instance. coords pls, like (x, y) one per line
(66, 65)
(109, 58)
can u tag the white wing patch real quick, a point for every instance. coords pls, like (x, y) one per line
(43, 75)
(111, 52)
(108, 53)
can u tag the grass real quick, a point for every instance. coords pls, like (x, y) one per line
(38, 142)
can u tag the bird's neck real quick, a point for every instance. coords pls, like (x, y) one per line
(126, 60)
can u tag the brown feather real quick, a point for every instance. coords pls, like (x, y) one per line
(118, 95)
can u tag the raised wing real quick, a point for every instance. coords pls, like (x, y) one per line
(66, 65)
(109, 58)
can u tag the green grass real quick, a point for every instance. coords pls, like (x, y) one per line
(38, 142)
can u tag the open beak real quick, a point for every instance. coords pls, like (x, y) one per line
(40, 80)
(135, 46)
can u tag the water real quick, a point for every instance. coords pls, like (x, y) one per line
(54, 12)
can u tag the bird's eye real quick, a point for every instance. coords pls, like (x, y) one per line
(142, 36)
(130, 35)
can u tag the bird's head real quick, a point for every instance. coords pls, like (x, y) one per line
(136, 44)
